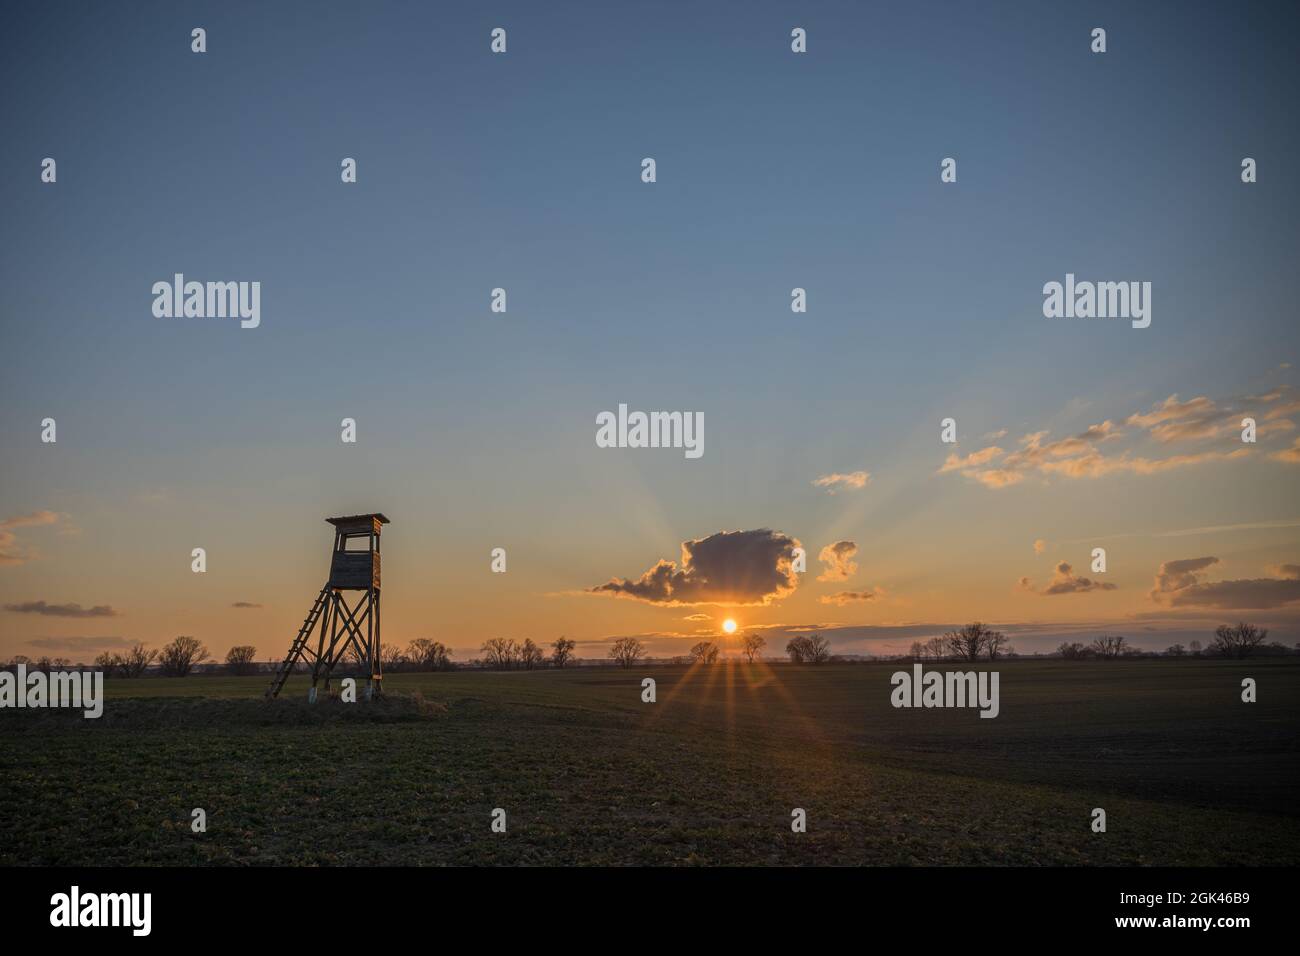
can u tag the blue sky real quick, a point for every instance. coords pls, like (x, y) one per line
(775, 170)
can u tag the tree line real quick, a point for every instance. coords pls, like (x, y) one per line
(969, 643)
(975, 641)
(1234, 641)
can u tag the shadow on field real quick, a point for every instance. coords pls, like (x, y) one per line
(154, 713)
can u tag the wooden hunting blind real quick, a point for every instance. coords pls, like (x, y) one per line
(344, 630)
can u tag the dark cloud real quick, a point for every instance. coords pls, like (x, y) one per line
(730, 568)
(61, 610)
(245, 604)
(79, 643)
(1065, 581)
(1182, 584)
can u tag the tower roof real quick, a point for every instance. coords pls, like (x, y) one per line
(358, 519)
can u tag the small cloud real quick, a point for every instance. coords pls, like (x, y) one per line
(832, 482)
(1096, 465)
(245, 604)
(12, 550)
(31, 520)
(996, 477)
(838, 558)
(698, 617)
(994, 436)
(79, 644)
(974, 460)
(1289, 455)
(849, 597)
(1040, 546)
(1065, 581)
(61, 610)
(1285, 408)
(1171, 409)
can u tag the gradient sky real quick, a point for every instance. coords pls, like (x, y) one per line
(476, 430)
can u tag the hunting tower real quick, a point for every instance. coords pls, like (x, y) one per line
(345, 633)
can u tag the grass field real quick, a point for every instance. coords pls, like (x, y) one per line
(588, 774)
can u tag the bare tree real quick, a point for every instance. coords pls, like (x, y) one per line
(996, 645)
(562, 651)
(1240, 641)
(917, 651)
(937, 648)
(705, 652)
(1176, 650)
(180, 656)
(500, 653)
(530, 655)
(137, 660)
(429, 655)
(808, 649)
(110, 663)
(241, 659)
(1072, 651)
(967, 643)
(1108, 648)
(627, 651)
(1195, 648)
(817, 649)
(752, 644)
(391, 658)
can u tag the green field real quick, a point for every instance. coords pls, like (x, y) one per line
(588, 774)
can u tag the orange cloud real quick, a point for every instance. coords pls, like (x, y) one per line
(838, 558)
(1171, 409)
(854, 479)
(849, 597)
(1289, 455)
(973, 460)
(12, 551)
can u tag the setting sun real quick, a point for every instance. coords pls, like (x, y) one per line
(729, 626)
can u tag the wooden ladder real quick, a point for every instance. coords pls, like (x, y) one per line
(309, 623)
